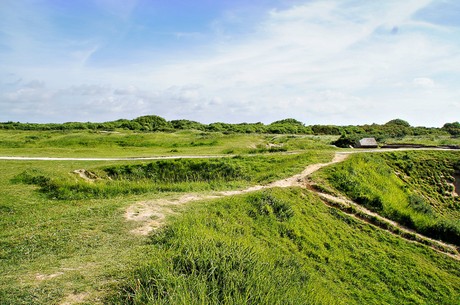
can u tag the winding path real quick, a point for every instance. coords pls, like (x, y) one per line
(152, 214)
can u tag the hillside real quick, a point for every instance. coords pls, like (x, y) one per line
(240, 227)
(285, 246)
(415, 189)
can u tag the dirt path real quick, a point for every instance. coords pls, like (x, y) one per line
(378, 150)
(359, 212)
(111, 159)
(152, 214)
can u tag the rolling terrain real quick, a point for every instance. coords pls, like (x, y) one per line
(253, 226)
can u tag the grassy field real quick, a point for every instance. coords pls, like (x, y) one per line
(65, 240)
(412, 188)
(130, 144)
(54, 247)
(433, 140)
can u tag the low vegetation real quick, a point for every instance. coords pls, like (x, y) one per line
(130, 144)
(181, 175)
(284, 247)
(153, 123)
(413, 188)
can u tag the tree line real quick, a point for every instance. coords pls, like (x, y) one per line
(154, 123)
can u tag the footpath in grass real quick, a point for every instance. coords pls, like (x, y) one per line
(181, 175)
(53, 247)
(280, 246)
(284, 246)
(416, 189)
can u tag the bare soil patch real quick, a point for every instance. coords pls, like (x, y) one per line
(456, 185)
(74, 299)
(388, 225)
(152, 214)
(44, 277)
(86, 175)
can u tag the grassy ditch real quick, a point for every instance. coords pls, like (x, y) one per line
(412, 188)
(284, 247)
(181, 175)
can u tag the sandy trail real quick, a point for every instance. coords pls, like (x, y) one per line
(387, 224)
(152, 214)
(111, 159)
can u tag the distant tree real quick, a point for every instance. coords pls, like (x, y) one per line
(249, 127)
(288, 126)
(394, 128)
(326, 129)
(452, 128)
(153, 123)
(346, 140)
(186, 124)
(398, 122)
(289, 121)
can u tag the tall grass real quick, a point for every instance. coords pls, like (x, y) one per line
(312, 254)
(181, 170)
(395, 186)
(281, 247)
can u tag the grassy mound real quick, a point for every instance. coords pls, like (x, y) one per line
(284, 247)
(412, 188)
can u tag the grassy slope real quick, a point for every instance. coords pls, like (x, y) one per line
(409, 187)
(87, 240)
(316, 255)
(129, 144)
(285, 247)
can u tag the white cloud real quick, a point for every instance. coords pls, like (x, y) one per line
(336, 62)
(423, 82)
(86, 90)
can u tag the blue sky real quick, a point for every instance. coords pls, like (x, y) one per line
(321, 62)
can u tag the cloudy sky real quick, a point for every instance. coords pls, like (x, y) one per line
(318, 61)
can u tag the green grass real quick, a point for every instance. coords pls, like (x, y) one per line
(434, 140)
(285, 247)
(412, 188)
(87, 242)
(131, 144)
(182, 175)
(62, 236)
